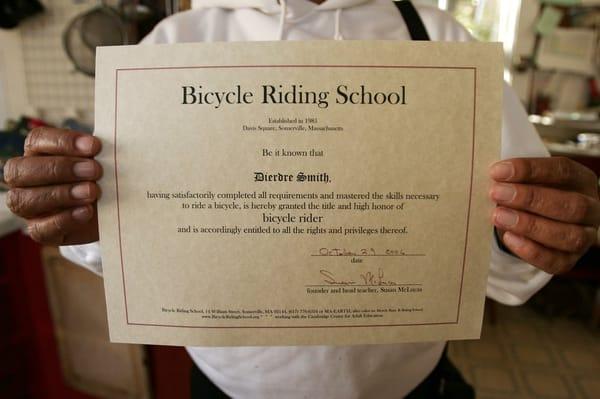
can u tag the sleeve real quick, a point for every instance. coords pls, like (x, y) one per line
(86, 255)
(512, 281)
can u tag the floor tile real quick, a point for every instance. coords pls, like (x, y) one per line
(531, 355)
(528, 355)
(548, 385)
(581, 359)
(494, 379)
(521, 331)
(589, 387)
(485, 351)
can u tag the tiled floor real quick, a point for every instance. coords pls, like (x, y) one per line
(528, 355)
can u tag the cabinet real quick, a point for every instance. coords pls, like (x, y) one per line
(53, 342)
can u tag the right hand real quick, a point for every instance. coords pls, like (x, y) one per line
(53, 186)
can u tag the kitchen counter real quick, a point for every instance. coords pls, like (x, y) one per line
(568, 149)
(560, 136)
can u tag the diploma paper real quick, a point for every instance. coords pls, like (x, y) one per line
(297, 193)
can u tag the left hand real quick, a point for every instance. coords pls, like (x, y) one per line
(548, 210)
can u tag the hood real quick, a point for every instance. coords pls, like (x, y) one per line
(274, 6)
(280, 7)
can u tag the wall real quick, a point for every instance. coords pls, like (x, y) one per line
(13, 94)
(43, 80)
(3, 104)
(48, 86)
(525, 39)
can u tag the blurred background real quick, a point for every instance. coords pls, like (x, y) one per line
(54, 340)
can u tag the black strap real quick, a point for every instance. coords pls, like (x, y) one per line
(413, 21)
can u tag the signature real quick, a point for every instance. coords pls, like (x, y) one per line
(362, 252)
(368, 278)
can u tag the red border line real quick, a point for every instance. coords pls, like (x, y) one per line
(470, 193)
(294, 66)
(333, 326)
(117, 195)
(474, 69)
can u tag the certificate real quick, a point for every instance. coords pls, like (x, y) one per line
(297, 193)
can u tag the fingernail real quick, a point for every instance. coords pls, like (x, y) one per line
(506, 217)
(85, 144)
(84, 169)
(80, 191)
(503, 192)
(502, 170)
(513, 240)
(82, 214)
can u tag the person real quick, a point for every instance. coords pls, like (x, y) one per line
(547, 215)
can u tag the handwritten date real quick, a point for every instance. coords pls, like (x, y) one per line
(359, 252)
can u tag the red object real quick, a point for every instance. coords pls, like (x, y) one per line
(32, 123)
(594, 93)
(29, 363)
(170, 372)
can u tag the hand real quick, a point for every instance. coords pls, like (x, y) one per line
(53, 186)
(548, 210)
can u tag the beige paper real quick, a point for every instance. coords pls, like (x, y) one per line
(297, 193)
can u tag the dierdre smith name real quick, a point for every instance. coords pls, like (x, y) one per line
(293, 94)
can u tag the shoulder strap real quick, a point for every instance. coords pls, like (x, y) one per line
(413, 21)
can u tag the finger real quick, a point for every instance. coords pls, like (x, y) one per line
(31, 202)
(52, 141)
(68, 227)
(555, 170)
(552, 234)
(564, 206)
(549, 260)
(43, 171)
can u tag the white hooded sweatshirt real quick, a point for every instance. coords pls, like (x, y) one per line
(369, 371)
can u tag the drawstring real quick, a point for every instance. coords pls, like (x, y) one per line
(338, 34)
(282, 18)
